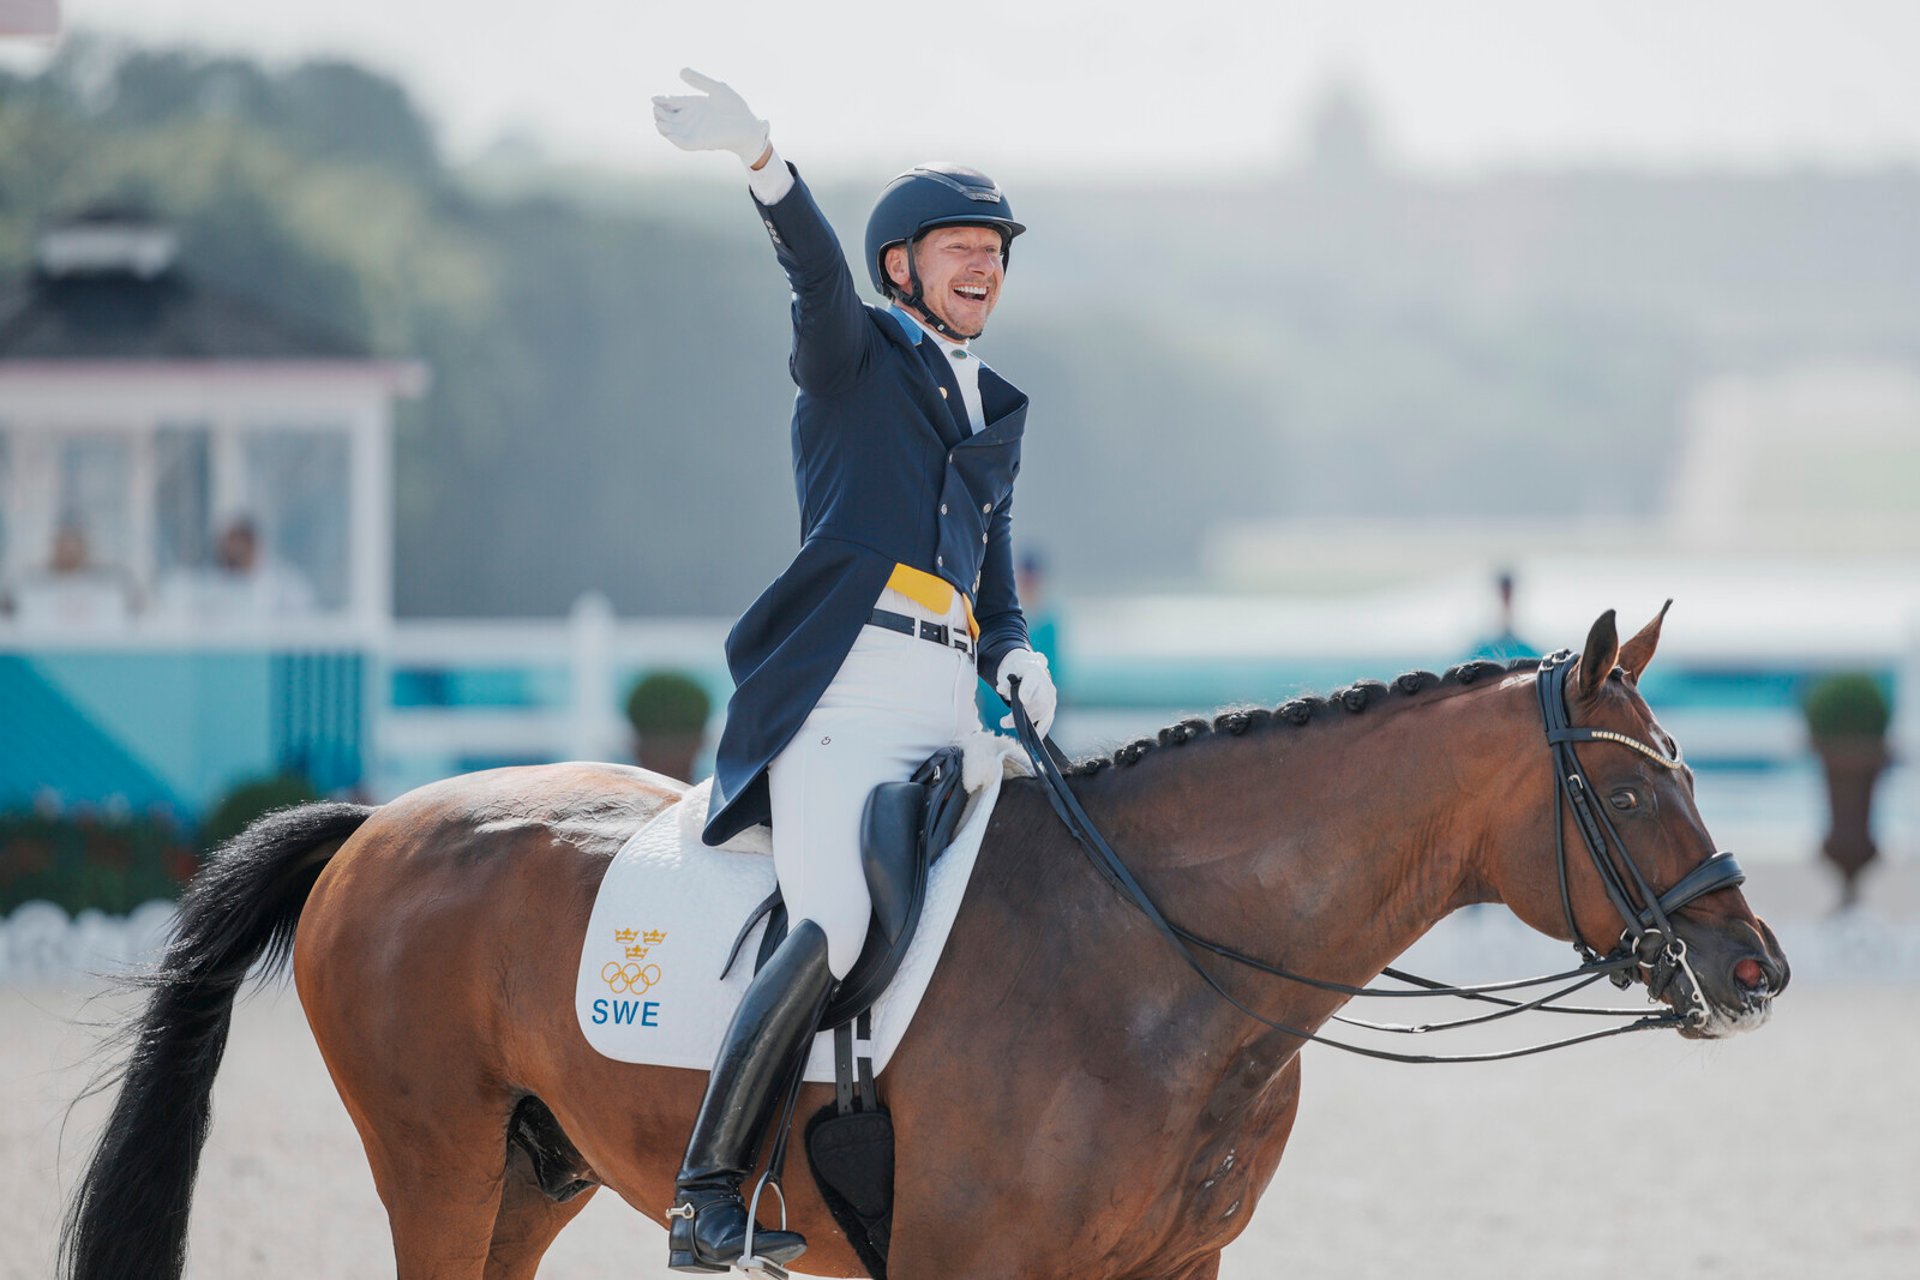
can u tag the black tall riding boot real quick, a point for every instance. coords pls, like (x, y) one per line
(707, 1226)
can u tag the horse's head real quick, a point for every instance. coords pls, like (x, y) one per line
(1639, 804)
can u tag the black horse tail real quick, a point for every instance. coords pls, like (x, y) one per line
(129, 1216)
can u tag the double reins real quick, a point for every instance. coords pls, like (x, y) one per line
(1648, 943)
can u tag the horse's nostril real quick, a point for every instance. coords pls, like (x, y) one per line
(1749, 974)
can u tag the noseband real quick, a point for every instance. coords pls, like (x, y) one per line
(1648, 944)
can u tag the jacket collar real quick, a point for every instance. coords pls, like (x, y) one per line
(915, 331)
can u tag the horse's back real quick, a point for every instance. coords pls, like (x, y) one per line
(591, 806)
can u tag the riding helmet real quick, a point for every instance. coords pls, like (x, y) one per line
(936, 194)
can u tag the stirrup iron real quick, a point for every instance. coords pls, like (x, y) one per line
(748, 1261)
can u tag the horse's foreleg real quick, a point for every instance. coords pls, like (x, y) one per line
(528, 1221)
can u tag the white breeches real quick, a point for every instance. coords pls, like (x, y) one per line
(895, 701)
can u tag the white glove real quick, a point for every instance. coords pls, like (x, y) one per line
(1036, 688)
(716, 120)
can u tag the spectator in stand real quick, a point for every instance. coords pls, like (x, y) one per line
(241, 585)
(73, 592)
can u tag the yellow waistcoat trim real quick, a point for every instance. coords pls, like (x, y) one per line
(931, 593)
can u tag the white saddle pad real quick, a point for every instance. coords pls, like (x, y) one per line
(650, 988)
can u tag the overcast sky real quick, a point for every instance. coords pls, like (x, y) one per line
(1035, 87)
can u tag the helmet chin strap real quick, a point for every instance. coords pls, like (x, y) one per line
(918, 302)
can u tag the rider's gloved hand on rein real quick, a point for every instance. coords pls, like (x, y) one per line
(716, 119)
(1036, 688)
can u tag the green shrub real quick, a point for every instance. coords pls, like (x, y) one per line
(79, 860)
(1848, 704)
(668, 702)
(250, 800)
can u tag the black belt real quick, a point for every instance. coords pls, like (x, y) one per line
(938, 632)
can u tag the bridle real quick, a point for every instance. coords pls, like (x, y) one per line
(1648, 944)
(1649, 939)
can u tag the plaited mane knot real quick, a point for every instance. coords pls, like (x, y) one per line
(1357, 697)
(1184, 731)
(1238, 720)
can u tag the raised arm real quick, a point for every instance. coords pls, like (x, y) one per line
(832, 338)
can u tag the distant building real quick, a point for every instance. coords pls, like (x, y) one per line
(1342, 135)
(1817, 458)
(195, 527)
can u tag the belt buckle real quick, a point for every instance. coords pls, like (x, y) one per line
(934, 631)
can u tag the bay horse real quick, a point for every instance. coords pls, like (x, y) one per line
(1066, 1066)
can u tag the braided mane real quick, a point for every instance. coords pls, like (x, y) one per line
(1297, 712)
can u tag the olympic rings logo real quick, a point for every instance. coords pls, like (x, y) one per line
(623, 979)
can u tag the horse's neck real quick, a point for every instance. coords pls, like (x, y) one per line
(1328, 849)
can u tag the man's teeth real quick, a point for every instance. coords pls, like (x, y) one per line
(977, 292)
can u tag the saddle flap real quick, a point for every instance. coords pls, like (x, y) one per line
(889, 849)
(946, 801)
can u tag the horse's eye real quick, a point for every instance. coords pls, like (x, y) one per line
(1625, 799)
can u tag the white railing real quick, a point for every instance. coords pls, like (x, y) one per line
(592, 648)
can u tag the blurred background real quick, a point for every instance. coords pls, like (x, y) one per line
(380, 398)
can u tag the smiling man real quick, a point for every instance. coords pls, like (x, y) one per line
(859, 661)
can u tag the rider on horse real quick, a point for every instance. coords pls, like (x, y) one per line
(860, 660)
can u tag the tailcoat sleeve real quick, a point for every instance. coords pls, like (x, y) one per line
(1003, 627)
(833, 340)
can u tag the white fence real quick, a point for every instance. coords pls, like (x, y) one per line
(41, 943)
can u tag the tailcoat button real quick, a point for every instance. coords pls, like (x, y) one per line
(943, 508)
(986, 508)
(983, 537)
(939, 562)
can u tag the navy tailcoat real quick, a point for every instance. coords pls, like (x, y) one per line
(888, 472)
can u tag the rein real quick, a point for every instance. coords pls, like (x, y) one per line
(1648, 944)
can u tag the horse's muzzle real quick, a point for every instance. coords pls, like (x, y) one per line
(1741, 970)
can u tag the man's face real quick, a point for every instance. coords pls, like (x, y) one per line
(960, 274)
(238, 548)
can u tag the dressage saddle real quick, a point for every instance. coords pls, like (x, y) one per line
(904, 829)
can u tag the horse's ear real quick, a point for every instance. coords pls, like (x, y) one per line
(1636, 653)
(1602, 653)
